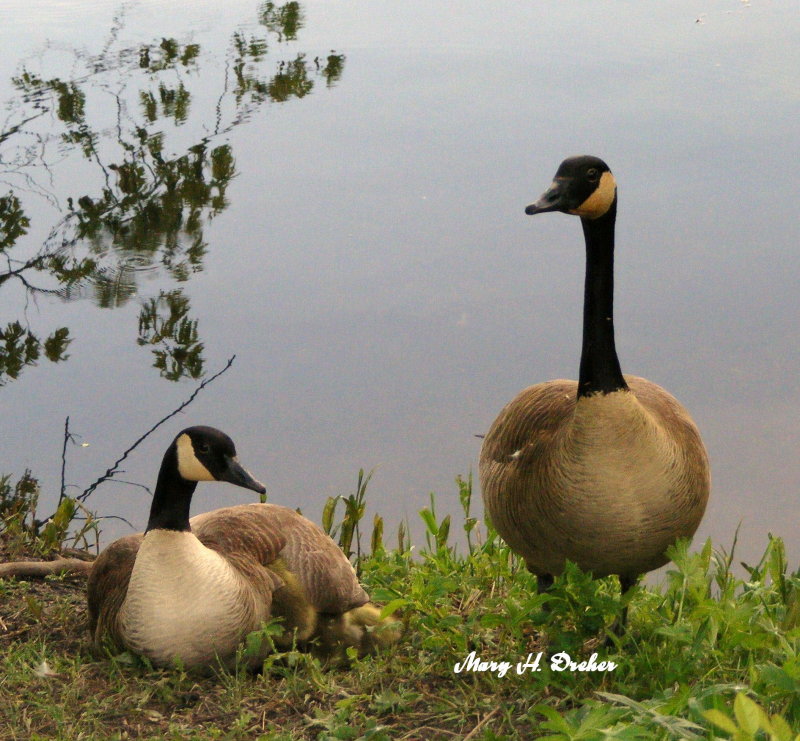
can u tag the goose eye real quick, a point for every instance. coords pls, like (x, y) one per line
(204, 448)
(592, 174)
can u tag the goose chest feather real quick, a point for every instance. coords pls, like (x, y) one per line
(607, 471)
(192, 589)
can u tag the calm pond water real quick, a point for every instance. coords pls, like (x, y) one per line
(334, 192)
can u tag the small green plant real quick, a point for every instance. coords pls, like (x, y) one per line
(465, 498)
(436, 532)
(18, 511)
(260, 641)
(403, 538)
(22, 533)
(578, 605)
(354, 508)
(376, 541)
(750, 722)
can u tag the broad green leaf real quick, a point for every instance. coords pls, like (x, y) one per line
(393, 606)
(748, 714)
(719, 719)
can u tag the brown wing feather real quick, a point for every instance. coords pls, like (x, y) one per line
(108, 585)
(271, 532)
(529, 421)
(512, 452)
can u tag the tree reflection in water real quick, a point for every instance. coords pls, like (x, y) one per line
(114, 150)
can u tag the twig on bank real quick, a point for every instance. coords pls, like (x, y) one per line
(481, 724)
(22, 569)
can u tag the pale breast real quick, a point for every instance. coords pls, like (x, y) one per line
(608, 482)
(184, 601)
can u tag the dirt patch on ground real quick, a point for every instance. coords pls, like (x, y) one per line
(52, 609)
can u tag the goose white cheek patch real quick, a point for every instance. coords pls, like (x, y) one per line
(188, 466)
(597, 204)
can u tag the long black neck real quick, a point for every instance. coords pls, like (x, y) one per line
(600, 371)
(173, 496)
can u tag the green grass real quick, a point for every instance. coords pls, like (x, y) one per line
(707, 655)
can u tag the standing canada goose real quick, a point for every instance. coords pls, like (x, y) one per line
(607, 472)
(191, 590)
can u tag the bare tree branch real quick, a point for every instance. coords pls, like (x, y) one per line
(14, 129)
(115, 468)
(64, 462)
(109, 517)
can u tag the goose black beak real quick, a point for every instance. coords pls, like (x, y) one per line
(553, 199)
(235, 473)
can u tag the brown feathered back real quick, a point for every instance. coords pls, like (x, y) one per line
(260, 534)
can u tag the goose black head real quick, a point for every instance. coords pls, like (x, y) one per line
(206, 454)
(583, 186)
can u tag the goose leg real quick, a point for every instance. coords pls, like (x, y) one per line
(543, 582)
(626, 583)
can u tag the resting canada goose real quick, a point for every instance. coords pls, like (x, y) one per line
(191, 590)
(606, 472)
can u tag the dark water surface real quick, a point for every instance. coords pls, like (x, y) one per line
(346, 216)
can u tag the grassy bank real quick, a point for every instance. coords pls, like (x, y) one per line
(708, 655)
